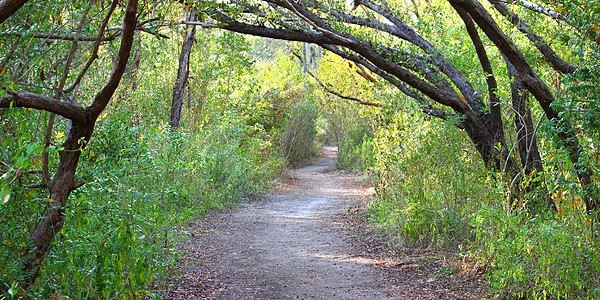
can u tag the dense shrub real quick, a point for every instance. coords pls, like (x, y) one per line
(435, 193)
(357, 154)
(298, 140)
(140, 183)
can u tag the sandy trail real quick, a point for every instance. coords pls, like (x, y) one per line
(291, 246)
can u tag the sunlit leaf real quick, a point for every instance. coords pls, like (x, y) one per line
(5, 194)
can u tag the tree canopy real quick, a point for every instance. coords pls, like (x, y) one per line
(380, 38)
(519, 78)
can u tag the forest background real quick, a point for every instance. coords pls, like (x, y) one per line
(88, 91)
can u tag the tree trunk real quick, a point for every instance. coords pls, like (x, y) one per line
(529, 154)
(542, 93)
(183, 71)
(83, 121)
(9, 7)
(60, 187)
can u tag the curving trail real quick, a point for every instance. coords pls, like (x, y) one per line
(294, 245)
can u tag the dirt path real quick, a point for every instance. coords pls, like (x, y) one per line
(292, 246)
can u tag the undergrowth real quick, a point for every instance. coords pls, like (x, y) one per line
(435, 194)
(141, 182)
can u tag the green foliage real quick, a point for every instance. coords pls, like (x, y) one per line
(288, 110)
(298, 140)
(537, 258)
(435, 193)
(20, 164)
(431, 181)
(357, 154)
(245, 119)
(349, 125)
(142, 179)
(141, 182)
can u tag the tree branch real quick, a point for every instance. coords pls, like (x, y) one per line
(104, 95)
(484, 61)
(289, 5)
(370, 23)
(539, 9)
(281, 34)
(94, 55)
(30, 100)
(540, 90)
(445, 66)
(427, 107)
(549, 55)
(359, 101)
(58, 93)
(63, 37)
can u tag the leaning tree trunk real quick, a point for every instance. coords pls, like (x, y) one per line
(60, 187)
(83, 121)
(183, 72)
(542, 93)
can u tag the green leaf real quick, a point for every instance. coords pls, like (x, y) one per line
(4, 194)
(29, 149)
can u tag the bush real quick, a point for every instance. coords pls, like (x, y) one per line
(537, 258)
(431, 181)
(118, 236)
(357, 155)
(435, 193)
(298, 141)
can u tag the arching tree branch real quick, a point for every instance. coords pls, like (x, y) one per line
(35, 101)
(327, 89)
(549, 55)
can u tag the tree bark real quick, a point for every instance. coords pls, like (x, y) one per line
(9, 7)
(183, 72)
(542, 93)
(549, 55)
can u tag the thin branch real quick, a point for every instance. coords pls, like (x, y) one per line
(362, 72)
(74, 46)
(113, 36)
(169, 24)
(58, 90)
(426, 105)
(62, 37)
(539, 9)
(104, 95)
(370, 23)
(359, 101)
(94, 55)
(318, 28)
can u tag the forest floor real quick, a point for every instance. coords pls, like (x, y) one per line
(309, 239)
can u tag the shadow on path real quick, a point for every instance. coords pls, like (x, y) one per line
(291, 246)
